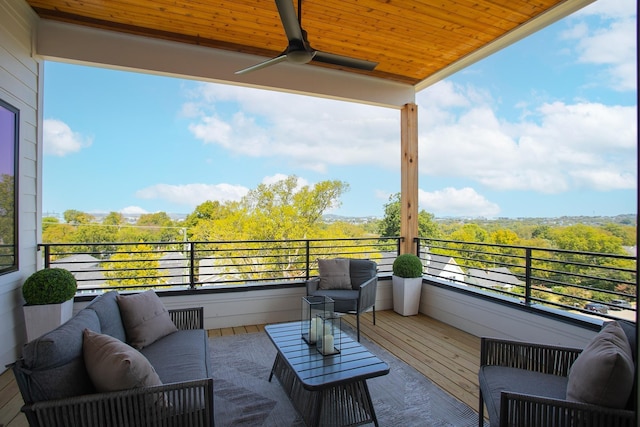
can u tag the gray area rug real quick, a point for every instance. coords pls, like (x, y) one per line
(244, 397)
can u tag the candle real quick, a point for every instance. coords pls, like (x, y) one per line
(327, 344)
(313, 331)
(316, 325)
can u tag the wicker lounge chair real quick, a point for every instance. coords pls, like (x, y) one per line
(524, 384)
(360, 297)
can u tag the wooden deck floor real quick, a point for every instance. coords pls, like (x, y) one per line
(447, 356)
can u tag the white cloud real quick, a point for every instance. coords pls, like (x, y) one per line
(193, 194)
(554, 148)
(60, 140)
(457, 202)
(133, 210)
(613, 9)
(611, 44)
(308, 132)
(268, 180)
(558, 147)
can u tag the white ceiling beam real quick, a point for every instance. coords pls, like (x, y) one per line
(64, 42)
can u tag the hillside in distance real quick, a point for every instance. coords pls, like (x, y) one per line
(623, 219)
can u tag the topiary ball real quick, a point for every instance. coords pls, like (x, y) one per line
(407, 266)
(49, 286)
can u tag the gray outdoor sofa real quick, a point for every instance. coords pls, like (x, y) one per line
(58, 390)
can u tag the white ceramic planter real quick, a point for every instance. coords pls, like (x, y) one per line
(406, 295)
(40, 319)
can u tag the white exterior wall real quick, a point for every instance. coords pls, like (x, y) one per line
(20, 80)
(484, 318)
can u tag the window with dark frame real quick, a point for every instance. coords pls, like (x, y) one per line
(9, 143)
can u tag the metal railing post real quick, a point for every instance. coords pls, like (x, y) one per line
(47, 256)
(308, 249)
(192, 265)
(527, 277)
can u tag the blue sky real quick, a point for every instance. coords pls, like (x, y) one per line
(544, 128)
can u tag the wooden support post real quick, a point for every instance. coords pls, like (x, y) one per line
(409, 177)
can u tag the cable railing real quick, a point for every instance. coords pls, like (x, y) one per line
(567, 280)
(574, 281)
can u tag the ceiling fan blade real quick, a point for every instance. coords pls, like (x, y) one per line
(263, 64)
(289, 20)
(345, 61)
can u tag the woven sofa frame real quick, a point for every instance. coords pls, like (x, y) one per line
(144, 406)
(526, 410)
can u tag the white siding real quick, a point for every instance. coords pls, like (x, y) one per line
(20, 79)
(482, 317)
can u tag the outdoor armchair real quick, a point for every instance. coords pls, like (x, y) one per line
(525, 384)
(351, 283)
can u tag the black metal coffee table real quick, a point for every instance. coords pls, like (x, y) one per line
(326, 390)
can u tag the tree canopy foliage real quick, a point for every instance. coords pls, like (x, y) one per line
(286, 210)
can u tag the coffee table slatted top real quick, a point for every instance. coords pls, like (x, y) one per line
(315, 371)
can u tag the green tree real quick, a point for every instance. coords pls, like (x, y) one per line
(157, 227)
(270, 213)
(114, 218)
(75, 217)
(389, 226)
(284, 210)
(134, 266)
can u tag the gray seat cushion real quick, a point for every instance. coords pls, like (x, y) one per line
(180, 356)
(493, 380)
(344, 300)
(54, 363)
(106, 307)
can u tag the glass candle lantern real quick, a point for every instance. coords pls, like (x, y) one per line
(312, 306)
(329, 335)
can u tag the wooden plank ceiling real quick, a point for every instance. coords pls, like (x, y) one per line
(409, 39)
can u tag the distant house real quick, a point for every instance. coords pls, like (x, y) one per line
(85, 268)
(444, 267)
(499, 277)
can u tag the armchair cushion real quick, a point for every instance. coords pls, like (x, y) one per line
(145, 318)
(53, 363)
(344, 301)
(603, 373)
(106, 307)
(496, 379)
(334, 273)
(361, 270)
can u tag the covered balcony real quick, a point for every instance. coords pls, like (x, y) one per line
(211, 45)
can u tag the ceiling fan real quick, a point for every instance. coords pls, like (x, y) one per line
(299, 51)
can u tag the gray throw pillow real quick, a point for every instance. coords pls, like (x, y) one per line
(334, 273)
(603, 373)
(145, 318)
(113, 365)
